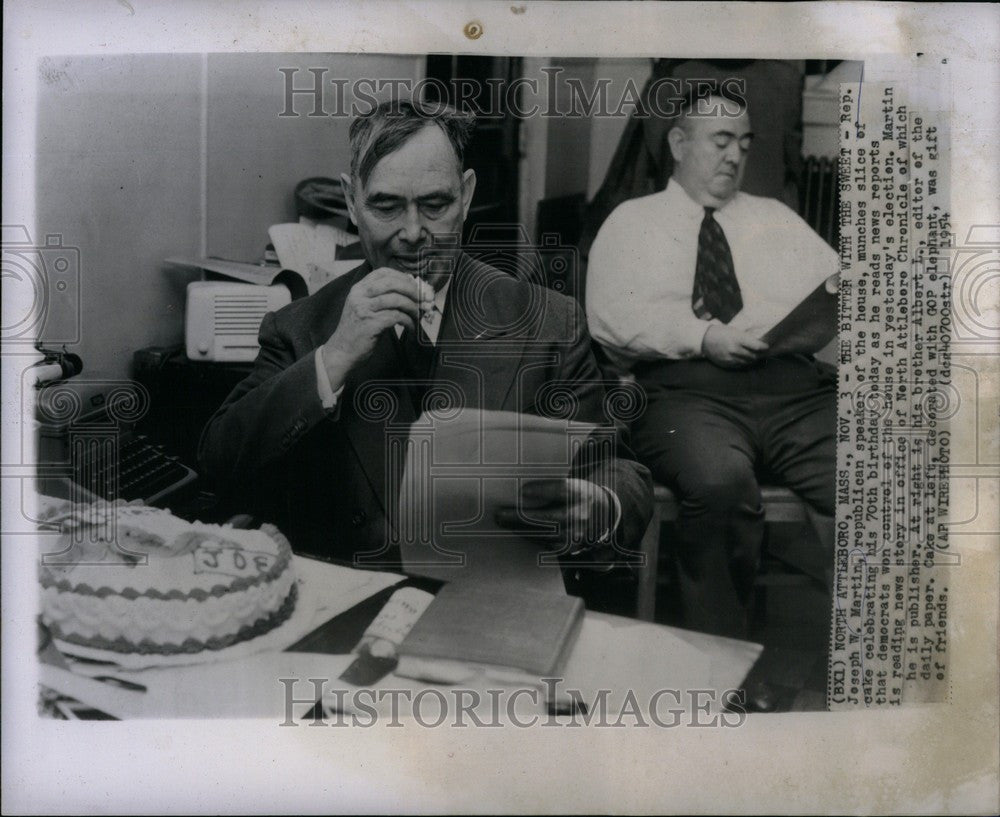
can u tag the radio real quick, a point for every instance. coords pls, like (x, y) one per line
(223, 318)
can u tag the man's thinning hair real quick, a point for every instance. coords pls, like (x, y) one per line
(384, 130)
(694, 102)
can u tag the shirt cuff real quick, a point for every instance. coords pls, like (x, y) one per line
(617, 505)
(608, 534)
(327, 396)
(697, 337)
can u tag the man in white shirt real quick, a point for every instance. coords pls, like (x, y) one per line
(304, 439)
(681, 286)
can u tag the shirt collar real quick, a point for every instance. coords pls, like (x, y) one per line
(441, 295)
(679, 200)
(432, 325)
(432, 322)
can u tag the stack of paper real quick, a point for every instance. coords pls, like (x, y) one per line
(462, 468)
(310, 249)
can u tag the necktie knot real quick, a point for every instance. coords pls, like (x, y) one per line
(429, 319)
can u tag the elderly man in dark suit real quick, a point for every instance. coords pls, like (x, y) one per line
(301, 436)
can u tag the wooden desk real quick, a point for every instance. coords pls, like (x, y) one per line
(623, 656)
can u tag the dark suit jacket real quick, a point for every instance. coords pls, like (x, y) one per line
(321, 476)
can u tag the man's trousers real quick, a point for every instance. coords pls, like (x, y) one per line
(713, 436)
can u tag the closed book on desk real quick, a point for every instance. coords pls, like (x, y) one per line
(504, 632)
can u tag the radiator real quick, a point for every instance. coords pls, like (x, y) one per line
(819, 197)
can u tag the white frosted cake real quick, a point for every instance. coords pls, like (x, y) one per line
(137, 580)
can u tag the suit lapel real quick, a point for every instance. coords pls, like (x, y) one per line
(378, 418)
(475, 354)
(325, 322)
(378, 404)
(475, 348)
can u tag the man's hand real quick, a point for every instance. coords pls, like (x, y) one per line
(731, 348)
(383, 298)
(582, 508)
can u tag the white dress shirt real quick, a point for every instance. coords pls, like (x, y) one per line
(641, 271)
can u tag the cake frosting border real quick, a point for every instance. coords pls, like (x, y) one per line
(276, 574)
(189, 646)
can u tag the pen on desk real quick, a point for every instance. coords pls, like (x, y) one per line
(120, 682)
(567, 706)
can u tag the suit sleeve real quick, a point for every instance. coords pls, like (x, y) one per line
(265, 414)
(620, 473)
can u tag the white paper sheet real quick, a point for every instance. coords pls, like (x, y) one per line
(460, 469)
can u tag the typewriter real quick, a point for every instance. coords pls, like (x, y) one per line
(87, 435)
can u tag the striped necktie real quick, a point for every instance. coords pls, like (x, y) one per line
(716, 292)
